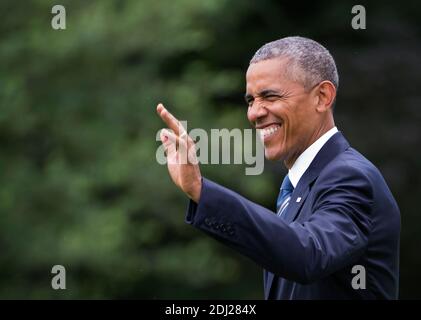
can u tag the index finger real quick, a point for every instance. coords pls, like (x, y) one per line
(170, 120)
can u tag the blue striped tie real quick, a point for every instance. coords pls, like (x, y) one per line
(284, 196)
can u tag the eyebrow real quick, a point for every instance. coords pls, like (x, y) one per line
(264, 93)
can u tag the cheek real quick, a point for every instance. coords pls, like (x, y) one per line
(285, 136)
(289, 131)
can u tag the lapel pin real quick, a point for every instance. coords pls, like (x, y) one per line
(298, 199)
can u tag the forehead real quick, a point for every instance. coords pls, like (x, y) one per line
(268, 73)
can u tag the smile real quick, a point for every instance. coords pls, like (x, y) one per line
(267, 132)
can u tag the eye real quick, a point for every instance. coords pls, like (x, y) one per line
(249, 102)
(272, 97)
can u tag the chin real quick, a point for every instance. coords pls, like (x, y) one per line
(273, 155)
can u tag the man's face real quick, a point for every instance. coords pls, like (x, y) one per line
(281, 109)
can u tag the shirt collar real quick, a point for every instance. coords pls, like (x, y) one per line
(304, 160)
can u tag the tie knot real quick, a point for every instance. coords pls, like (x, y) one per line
(287, 185)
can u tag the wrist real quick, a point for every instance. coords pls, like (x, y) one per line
(196, 191)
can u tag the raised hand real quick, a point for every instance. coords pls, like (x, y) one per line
(181, 155)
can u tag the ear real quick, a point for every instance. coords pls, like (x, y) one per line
(326, 93)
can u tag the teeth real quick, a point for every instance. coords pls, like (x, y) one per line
(269, 130)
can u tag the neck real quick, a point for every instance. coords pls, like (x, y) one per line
(289, 162)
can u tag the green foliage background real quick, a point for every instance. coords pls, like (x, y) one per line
(79, 182)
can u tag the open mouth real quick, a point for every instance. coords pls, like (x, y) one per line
(267, 132)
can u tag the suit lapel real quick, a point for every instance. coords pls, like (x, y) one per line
(333, 147)
(298, 197)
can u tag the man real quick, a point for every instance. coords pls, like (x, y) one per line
(335, 213)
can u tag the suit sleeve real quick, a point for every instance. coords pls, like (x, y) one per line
(335, 235)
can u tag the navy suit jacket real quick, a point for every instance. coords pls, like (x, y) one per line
(341, 214)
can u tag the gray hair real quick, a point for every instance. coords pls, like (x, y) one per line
(314, 61)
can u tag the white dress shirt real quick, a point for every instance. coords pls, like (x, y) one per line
(304, 160)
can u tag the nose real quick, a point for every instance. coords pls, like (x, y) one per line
(256, 111)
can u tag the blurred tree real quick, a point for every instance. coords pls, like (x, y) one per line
(80, 185)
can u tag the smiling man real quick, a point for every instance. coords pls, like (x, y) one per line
(334, 210)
